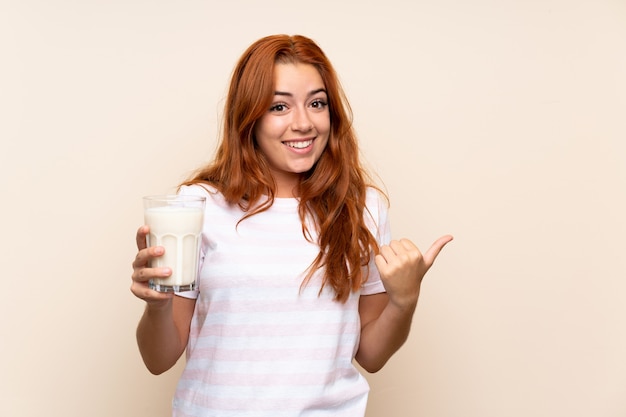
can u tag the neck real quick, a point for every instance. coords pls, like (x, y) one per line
(287, 186)
(291, 192)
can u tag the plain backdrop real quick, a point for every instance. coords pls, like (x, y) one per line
(502, 122)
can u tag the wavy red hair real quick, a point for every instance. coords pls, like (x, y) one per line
(332, 193)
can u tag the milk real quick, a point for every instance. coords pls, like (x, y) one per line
(178, 229)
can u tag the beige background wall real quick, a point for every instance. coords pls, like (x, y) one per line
(501, 122)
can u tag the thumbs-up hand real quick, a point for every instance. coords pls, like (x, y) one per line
(402, 267)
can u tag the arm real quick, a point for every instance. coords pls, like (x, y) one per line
(163, 330)
(384, 329)
(386, 318)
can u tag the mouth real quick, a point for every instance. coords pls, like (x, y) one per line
(298, 144)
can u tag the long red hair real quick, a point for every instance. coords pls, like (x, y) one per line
(332, 193)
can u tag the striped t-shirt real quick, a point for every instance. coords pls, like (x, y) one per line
(259, 344)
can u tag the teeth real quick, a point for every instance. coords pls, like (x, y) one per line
(299, 145)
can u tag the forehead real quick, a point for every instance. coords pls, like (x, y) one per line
(296, 76)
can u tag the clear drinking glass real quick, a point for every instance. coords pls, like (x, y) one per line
(176, 224)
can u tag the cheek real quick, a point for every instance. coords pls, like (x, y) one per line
(326, 127)
(322, 125)
(264, 133)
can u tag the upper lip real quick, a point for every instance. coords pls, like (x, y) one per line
(299, 139)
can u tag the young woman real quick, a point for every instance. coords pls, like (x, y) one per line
(299, 276)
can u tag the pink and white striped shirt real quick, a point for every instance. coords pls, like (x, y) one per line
(259, 345)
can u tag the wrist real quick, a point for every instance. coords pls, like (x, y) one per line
(405, 305)
(158, 307)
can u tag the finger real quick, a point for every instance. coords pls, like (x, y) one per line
(386, 253)
(408, 245)
(380, 261)
(142, 232)
(146, 274)
(144, 256)
(143, 291)
(433, 251)
(407, 251)
(399, 246)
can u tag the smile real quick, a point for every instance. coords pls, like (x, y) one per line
(301, 144)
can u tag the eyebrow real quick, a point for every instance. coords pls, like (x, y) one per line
(311, 93)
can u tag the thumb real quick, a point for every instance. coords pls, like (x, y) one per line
(432, 253)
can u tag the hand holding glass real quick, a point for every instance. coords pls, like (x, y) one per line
(176, 224)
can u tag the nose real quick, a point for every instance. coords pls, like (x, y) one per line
(301, 121)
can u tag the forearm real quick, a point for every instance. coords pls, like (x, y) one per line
(159, 339)
(402, 267)
(383, 336)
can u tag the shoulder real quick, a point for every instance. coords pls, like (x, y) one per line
(376, 214)
(376, 202)
(374, 194)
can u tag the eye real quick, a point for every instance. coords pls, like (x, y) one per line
(278, 107)
(319, 104)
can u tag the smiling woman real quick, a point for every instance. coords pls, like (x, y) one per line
(293, 134)
(299, 276)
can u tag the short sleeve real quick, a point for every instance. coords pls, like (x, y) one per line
(377, 220)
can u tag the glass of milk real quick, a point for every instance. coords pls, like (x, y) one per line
(176, 224)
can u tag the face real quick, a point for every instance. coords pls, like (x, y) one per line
(294, 131)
